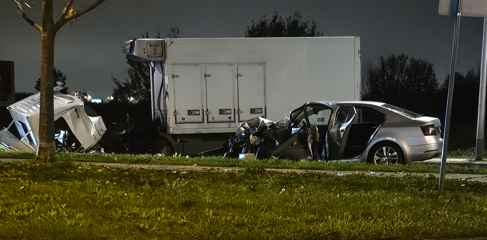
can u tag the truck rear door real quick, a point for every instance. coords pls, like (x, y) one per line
(188, 94)
(251, 91)
(220, 82)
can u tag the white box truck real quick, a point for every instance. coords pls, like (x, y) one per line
(202, 89)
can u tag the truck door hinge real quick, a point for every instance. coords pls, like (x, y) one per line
(239, 111)
(175, 76)
(208, 112)
(207, 75)
(175, 113)
(239, 75)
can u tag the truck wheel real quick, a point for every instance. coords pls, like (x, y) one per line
(167, 151)
(161, 146)
(385, 153)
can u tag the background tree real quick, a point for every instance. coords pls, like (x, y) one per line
(464, 108)
(137, 86)
(48, 30)
(465, 96)
(59, 80)
(403, 81)
(174, 32)
(293, 26)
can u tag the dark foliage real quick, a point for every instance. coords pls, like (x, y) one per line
(137, 86)
(129, 127)
(403, 81)
(293, 26)
(465, 96)
(464, 110)
(59, 81)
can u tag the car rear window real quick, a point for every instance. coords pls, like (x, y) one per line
(401, 111)
(366, 115)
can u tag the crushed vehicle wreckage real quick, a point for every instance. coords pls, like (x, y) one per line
(296, 138)
(88, 130)
(266, 139)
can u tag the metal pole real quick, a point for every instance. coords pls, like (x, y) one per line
(453, 62)
(479, 147)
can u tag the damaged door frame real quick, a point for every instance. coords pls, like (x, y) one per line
(329, 152)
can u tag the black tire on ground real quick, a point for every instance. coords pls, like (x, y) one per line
(264, 151)
(386, 153)
(162, 146)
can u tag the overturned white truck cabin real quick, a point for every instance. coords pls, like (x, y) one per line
(25, 114)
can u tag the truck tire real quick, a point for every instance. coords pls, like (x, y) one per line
(386, 153)
(162, 146)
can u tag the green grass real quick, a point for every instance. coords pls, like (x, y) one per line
(228, 162)
(468, 153)
(66, 200)
(4, 153)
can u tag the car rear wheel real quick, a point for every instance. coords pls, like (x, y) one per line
(386, 153)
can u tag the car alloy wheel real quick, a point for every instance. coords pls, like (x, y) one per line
(386, 153)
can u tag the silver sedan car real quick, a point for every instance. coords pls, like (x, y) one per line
(365, 131)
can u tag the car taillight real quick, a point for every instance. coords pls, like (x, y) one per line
(429, 130)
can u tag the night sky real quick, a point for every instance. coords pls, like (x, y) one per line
(90, 51)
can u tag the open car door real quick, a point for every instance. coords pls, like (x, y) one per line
(337, 135)
(308, 125)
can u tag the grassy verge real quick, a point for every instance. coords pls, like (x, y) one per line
(228, 162)
(468, 153)
(79, 201)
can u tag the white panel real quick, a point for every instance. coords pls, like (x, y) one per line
(158, 80)
(297, 70)
(251, 88)
(445, 7)
(220, 80)
(470, 8)
(474, 8)
(188, 98)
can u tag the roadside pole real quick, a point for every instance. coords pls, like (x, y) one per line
(456, 34)
(479, 147)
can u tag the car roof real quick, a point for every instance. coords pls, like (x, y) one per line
(338, 103)
(380, 106)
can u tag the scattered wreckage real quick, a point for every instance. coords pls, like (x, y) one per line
(88, 130)
(363, 131)
(264, 139)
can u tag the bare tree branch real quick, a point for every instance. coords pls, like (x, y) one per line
(65, 10)
(70, 13)
(25, 17)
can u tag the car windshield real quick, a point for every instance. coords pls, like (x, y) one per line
(401, 111)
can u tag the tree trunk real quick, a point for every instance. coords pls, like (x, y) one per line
(47, 148)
